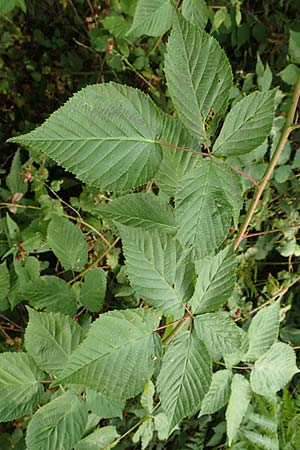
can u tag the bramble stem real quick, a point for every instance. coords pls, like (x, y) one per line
(287, 129)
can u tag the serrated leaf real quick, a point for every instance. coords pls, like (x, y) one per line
(67, 243)
(14, 179)
(215, 281)
(237, 406)
(116, 25)
(273, 370)
(141, 210)
(196, 12)
(20, 387)
(4, 286)
(152, 18)
(176, 163)
(103, 407)
(93, 289)
(247, 125)
(52, 293)
(99, 439)
(263, 331)
(129, 354)
(198, 75)
(156, 269)
(205, 205)
(58, 425)
(50, 338)
(219, 333)
(105, 134)
(218, 393)
(184, 378)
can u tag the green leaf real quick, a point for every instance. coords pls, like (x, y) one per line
(147, 397)
(7, 6)
(215, 281)
(237, 406)
(185, 377)
(4, 286)
(262, 440)
(141, 210)
(273, 370)
(156, 269)
(218, 393)
(294, 46)
(58, 425)
(103, 407)
(105, 134)
(219, 333)
(14, 179)
(196, 12)
(263, 331)
(198, 75)
(50, 338)
(204, 206)
(93, 289)
(67, 243)
(290, 74)
(52, 293)
(176, 163)
(153, 18)
(116, 25)
(144, 433)
(247, 125)
(128, 354)
(20, 387)
(99, 439)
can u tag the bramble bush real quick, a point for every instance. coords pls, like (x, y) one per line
(138, 283)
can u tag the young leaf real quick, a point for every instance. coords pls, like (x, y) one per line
(144, 432)
(99, 439)
(273, 370)
(155, 269)
(237, 406)
(153, 18)
(14, 180)
(20, 387)
(205, 205)
(141, 210)
(218, 393)
(58, 425)
(176, 161)
(219, 333)
(67, 243)
(103, 407)
(105, 134)
(4, 286)
(52, 293)
(196, 12)
(215, 281)
(92, 290)
(198, 75)
(263, 331)
(147, 397)
(247, 125)
(50, 338)
(185, 377)
(128, 353)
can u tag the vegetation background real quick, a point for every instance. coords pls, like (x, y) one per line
(52, 48)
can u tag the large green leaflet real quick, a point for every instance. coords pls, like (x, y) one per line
(153, 18)
(121, 343)
(105, 134)
(50, 338)
(198, 75)
(247, 125)
(157, 269)
(196, 12)
(238, 404)
(218, 393)
(143, 210)
(58, 425)
(205, 204)
(20, 387)
(215, 281)
(185, 377)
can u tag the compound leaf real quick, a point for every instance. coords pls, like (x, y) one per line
(105, 134)
(58, 425)
(120, 343)
(185, 377)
